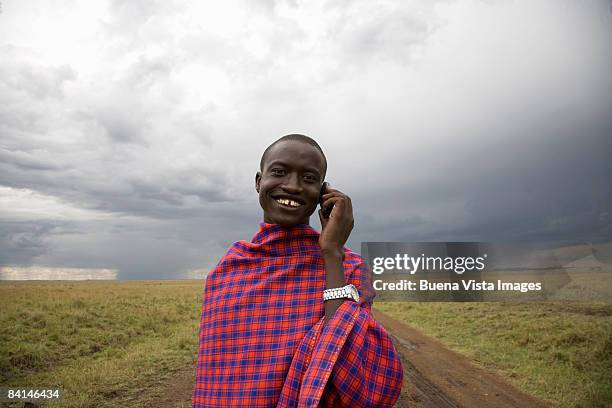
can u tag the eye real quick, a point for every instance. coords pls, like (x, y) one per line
(277, 172)
(310, 178)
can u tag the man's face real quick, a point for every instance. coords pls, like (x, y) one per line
(293, 171)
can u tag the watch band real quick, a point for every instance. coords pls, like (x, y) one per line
(348, 291)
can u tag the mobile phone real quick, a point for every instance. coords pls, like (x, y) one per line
(325, 211)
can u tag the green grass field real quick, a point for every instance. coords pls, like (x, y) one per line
(561, 352)
(105, 343)
(102, 342)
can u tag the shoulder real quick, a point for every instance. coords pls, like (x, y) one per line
(238, 248)
(236, 252)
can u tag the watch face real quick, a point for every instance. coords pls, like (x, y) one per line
(354, 293)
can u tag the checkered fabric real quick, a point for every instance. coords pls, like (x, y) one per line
(262, 340)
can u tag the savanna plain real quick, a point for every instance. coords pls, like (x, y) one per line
(112, 343)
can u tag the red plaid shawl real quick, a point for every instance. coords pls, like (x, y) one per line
(261, 337)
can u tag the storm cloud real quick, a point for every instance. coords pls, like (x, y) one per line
(130, 133)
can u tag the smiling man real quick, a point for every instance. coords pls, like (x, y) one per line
(286, 318)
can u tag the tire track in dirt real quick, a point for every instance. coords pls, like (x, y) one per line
(435, 376)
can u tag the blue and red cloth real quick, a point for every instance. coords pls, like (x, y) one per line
(262, 338)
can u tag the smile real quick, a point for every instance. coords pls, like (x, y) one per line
(288, 203)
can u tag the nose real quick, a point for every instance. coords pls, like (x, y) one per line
(292, 184)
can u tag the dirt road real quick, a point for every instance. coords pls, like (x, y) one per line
(434, 376)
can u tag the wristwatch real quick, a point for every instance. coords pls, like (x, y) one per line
(348, 291)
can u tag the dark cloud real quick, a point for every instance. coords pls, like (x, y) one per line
(441, 123)
(20, 242)
(35, 160)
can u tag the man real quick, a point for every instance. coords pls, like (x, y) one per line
(286, 318)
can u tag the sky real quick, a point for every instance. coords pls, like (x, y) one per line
(131, 132)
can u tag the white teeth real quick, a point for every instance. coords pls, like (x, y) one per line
(288, 202)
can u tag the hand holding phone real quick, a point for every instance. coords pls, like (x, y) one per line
(334, 231)
(325, 211)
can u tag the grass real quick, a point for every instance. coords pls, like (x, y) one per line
(107, 343)
(102, 342)
(561, 352)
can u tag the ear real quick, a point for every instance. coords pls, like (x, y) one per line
(257, 180)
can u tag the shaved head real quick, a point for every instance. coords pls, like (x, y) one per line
(294, 137)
